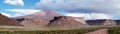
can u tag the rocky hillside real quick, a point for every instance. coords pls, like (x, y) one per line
(101, 22)
(37, 19)
(49, 18)
(66, 21)
(7, 21)
(44, 15)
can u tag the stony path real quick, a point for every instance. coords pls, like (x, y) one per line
(100, 31)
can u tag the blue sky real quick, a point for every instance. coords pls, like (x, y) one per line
(89, 9)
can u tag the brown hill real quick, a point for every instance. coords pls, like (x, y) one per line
(32, 22)
(39, 19)
(7, 21)
(66, 21)
(49, 18)
(44, 15)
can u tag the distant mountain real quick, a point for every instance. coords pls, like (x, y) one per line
(7, 21)
(40, 18)
(67, 21)
(44, 15)
(101, 22)
(53, 19)
(118, 22)
(49, 18)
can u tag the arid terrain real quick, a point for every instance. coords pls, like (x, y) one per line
(52, 22)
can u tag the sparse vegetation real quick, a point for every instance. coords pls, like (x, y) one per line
(114, 30)
(76, 31)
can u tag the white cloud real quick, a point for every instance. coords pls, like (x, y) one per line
(8, 15)
(91, 16)
(24, 11)
(96, 6)
(17, 14)
(14, 2)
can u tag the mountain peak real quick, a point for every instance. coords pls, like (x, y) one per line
(40, 13)
(44, 14)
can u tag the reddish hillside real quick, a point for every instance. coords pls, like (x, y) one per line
(41, 18)
(66, 21)
(50, 18)
(7, 21)
(44, 15)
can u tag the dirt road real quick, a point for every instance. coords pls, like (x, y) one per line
(100, 31)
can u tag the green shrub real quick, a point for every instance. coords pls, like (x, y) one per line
(114, 30)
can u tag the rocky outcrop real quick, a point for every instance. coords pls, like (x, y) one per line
(66, 21)
(33, 22)
(7, 21)
(101, 22)
(37, 19)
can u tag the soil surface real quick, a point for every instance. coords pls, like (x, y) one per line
(100, 31)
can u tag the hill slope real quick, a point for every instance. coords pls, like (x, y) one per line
(67, 21)
(39, 19)
(7, 21)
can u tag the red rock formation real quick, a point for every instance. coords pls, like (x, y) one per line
(40, 19)
(66, 21)
(49, 18)
(44, 15)
(34, 22)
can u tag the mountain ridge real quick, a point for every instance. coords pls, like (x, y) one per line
(4, 20)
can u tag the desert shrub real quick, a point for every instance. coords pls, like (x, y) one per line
(114, 30)
(75, 31)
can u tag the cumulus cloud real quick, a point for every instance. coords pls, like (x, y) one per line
(91, 16)
(82, 6)
(24, 11)
(14, 2)
(17, 14)
(8, 15)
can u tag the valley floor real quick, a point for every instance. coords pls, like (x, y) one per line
(57, 30)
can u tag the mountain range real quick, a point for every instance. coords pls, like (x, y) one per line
(53, 19)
